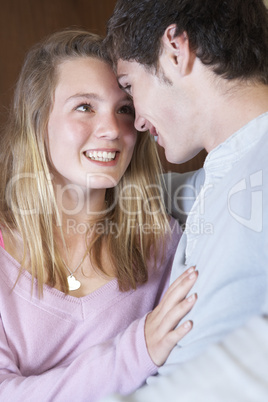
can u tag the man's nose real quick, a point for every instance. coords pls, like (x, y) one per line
(141, 124)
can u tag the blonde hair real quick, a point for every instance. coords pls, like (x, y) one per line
(27, 200)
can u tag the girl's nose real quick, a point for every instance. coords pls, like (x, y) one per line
(108, 128)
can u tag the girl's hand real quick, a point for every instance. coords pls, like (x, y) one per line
(161, 331)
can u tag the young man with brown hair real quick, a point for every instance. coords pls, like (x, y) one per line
(198, 74)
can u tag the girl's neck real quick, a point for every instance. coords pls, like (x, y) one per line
(77, 206)
(79, 210)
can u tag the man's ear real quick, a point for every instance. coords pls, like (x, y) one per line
(178, 50)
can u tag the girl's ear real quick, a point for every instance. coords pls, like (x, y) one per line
(178, 50)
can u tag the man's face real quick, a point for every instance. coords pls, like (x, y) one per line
(165, 104)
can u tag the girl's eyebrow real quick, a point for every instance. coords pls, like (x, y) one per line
(94, 96)
(91, 95)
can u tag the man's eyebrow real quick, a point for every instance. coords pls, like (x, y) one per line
(120, 76)
(91, 96)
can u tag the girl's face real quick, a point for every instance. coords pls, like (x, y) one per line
(91, 134)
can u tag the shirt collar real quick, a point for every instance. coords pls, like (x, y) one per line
(218, 162)
(222, 158)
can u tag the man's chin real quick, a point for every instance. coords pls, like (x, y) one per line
(178, 158)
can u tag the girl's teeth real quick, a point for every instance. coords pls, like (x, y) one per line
(101, 156)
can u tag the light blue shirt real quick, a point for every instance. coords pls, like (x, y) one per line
(226, 237)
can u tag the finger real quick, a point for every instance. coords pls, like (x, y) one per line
(177, 313)
(175, 336)
(170, 341)
(181, 282)
(177, 294)
(183, 287)
(182, 276)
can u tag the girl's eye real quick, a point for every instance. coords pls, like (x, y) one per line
(127, 109)
(84, 108)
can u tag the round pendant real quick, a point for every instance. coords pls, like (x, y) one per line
(73, 283)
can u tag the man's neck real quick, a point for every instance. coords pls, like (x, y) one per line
(233, 110)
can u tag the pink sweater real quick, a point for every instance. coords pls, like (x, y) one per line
(62, 348)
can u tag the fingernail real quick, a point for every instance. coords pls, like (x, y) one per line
(187, 324)
(191, 298)
(192, 276)
(191, 270)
